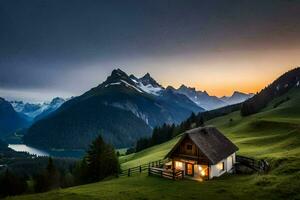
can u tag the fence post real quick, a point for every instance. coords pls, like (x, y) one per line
(173, 174)
(140, 169)
(129, 172)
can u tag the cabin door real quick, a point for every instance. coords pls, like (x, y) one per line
(189, 169)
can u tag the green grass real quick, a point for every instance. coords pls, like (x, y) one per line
(273, 134)
(148, 188)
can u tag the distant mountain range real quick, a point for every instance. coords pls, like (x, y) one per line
(236, 97)
(35, 111)
(204, 100)
(123, 108)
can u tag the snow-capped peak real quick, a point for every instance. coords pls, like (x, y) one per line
(150, 89)
(32, 110)
(145, 84)
(148, 80)
(148, 84)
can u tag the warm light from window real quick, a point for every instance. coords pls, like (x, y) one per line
(200, 168)
(220, 166)
(178, 165)
(203, 173)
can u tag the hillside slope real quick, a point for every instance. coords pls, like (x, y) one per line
(274, 132)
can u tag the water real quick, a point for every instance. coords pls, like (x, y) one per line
(28, 149)
(53, 153)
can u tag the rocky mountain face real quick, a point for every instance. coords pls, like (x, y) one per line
(122, 109)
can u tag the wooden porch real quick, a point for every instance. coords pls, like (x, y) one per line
(166, 173)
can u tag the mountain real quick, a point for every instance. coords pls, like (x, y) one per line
(49, 108)
(123, 108)
(280, 86)
(36, 111)
(236, 97)
(10, 120)
(202, 99)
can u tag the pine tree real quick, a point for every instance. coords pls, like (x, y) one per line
(53, 175)
(102, 160)
(48, 179)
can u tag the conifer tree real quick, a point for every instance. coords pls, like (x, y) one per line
(102, 160)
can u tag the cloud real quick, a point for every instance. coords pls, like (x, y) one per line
(54, 45)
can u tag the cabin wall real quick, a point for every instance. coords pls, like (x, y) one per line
(230, 162)
(217, 169)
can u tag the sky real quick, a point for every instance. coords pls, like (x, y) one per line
(63, 48)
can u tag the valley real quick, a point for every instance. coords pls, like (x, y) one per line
(272, 134)
(150, 100)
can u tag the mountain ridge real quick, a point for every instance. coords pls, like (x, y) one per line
(122, 100)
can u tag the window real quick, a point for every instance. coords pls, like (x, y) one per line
(178, 165)
(189, 147)
(220, 166)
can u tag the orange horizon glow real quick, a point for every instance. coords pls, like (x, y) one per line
(222, 73)
(227, 88)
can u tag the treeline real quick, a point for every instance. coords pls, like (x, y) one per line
(168, 131)
(279, 87)
(100, 162)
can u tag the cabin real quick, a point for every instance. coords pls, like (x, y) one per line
(202, 153)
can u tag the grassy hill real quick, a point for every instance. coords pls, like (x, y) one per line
(273, 134)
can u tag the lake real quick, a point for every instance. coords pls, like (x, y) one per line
(40, 152)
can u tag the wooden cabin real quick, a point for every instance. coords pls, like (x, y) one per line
(203, 153)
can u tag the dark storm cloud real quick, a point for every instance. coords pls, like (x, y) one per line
(43, 40)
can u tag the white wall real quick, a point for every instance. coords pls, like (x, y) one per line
(228, 166)
(230, 162)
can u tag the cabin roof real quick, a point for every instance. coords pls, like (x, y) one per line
(214, 145)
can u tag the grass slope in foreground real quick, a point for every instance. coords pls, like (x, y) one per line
(273, 134)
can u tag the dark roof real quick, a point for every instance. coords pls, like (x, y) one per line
(211, 142)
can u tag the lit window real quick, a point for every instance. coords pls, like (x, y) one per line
(203, 173)
(203, 170)
(220, 166)
(178, 165)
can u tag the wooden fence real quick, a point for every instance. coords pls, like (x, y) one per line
(142, 168)
(170, 174)
(257, 165)
(155, 168)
